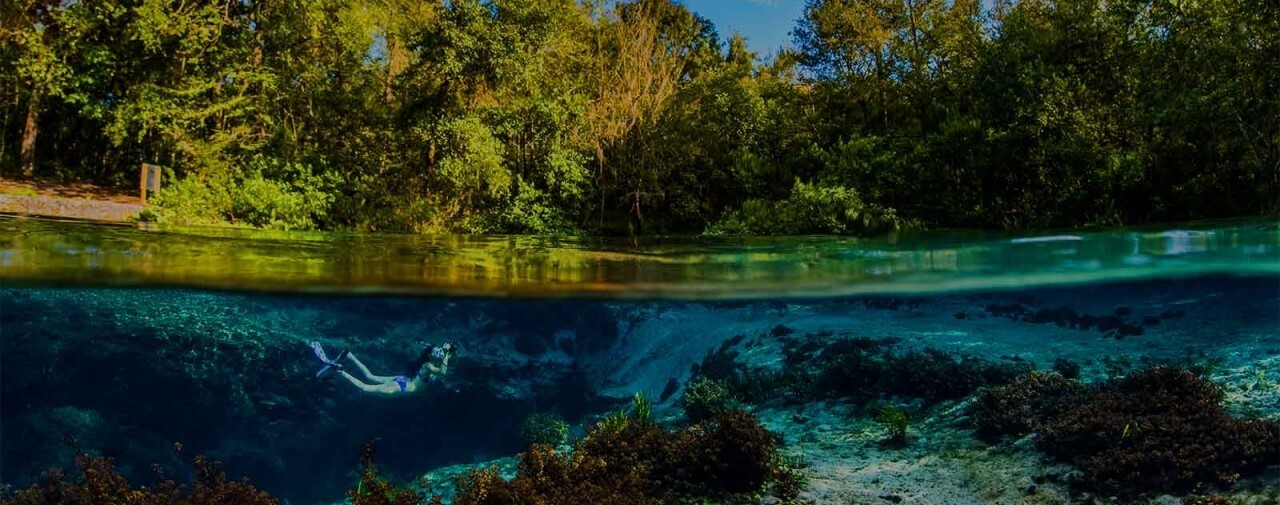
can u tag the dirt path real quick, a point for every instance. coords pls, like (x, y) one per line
(80, 201)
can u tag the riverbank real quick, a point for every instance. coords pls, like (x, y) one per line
(78, 201)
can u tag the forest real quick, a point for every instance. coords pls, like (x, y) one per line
(639, 117)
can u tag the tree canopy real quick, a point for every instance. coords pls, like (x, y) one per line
(637, 116)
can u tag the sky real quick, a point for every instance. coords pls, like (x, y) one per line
(765, 23)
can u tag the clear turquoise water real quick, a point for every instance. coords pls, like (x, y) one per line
(133, 339)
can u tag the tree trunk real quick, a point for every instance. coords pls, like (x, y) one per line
(28, 154)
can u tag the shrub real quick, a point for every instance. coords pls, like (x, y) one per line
(264, 203)
(1014, 408)
(1159, 430)
(704, 398)
(811, 208)
(269, 194)
(189, 201)
(545, 429)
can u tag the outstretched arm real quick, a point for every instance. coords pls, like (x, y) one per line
(369, 376)
(381, 389)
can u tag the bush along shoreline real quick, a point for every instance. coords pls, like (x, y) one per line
(568, 117)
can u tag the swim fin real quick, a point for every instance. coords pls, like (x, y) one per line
(328, 363)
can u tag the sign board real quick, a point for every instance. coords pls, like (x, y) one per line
(149, 180)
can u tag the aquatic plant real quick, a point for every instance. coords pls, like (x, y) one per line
(858, 369)
(789, 478)
(373, 489)
(720, 363)
(99, 482)
(724, 458)
(544, 428)
(865, 370)
(1013, 409)
(726, 455)
(640, 411)
(895, 420)
(614, 421)
(1162, 429)
(704, 398)
(641, 408)
(1110, 325)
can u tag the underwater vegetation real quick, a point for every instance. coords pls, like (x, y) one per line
(1067, 402)
(705, 398)
(625, 458)
(98, 482)
(374, 489)
(856, 369)
(1119, 324)
(628, 458)
(1158, 429)
(1162, 429)
(545, 429)
(1015, 408)
(895, 419)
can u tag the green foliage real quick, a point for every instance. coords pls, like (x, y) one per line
(273, 195)
(566, 117)
(471, 157)
(639, 412)
(894, 419)
(705, 397)
(614, 421)
(545, 429)
(810, 209)
(641, 409)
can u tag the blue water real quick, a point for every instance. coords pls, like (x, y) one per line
(229, 374)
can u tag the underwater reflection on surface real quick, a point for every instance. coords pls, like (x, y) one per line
(43, 252)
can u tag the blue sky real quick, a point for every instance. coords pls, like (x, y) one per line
(765, 23)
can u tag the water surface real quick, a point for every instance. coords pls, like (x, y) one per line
(132, 339)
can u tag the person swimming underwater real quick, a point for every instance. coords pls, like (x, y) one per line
(432, 364)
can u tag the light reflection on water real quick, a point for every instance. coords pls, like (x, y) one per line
(34, 251)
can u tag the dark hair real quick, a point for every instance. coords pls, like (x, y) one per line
(416, 366)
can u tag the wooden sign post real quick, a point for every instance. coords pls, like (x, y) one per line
(149, 180)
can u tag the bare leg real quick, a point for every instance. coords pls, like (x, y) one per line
(383, 389)
(369, 376)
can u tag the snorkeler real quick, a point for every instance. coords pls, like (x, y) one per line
(431, 364)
